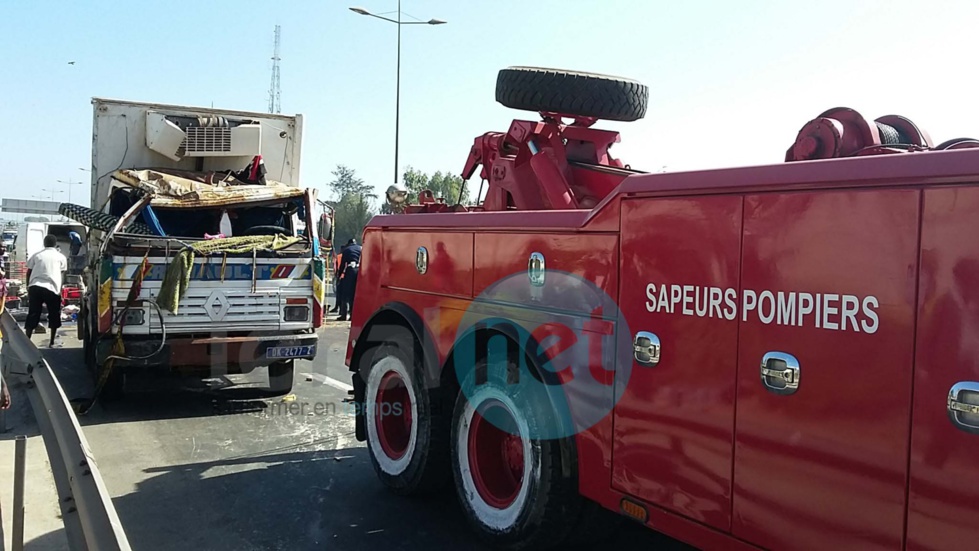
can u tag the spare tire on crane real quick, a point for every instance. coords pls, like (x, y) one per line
(572, 93)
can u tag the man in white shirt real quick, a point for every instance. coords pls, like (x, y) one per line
(45, 272)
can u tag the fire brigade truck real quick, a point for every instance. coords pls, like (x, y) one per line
(593, 338)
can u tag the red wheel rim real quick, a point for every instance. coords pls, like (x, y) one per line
(496, 455)
(392, 415)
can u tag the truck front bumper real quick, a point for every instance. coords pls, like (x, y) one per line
(217, 354)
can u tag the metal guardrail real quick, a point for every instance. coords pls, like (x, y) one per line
(91, 522)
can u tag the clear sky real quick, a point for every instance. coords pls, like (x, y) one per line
(730, 82)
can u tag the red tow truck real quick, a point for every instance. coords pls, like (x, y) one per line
(770, 357)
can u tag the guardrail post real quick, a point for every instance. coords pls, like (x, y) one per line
(20, 462)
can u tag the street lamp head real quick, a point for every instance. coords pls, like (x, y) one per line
(436, 22)
(361, 11)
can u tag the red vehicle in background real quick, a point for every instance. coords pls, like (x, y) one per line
(591, 335)
(71, 290)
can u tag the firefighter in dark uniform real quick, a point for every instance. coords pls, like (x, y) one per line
(350, 267)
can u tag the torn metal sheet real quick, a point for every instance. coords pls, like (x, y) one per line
(180, 189)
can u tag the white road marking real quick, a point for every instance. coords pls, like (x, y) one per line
(329, 381)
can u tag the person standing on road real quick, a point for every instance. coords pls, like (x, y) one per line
(76, 243)
(337, 278)
(45, 272)
(350, 264)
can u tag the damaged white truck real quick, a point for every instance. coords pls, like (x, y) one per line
(203, 250)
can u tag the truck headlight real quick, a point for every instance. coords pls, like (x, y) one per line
(296, 313)
(133, 317)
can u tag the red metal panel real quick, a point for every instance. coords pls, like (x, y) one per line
(368, 283)
(450, 262)
(674, 424)
(826, 467)
(935, 167)
(592, 257)
(680, 528)
(944, 491)
(441, 316)
(512, 220)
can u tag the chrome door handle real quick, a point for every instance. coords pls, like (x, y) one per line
(421, 260)
(963, 406)
(780, 373)
(536, 269)
(646, 348)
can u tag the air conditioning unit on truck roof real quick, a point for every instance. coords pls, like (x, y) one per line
(177, 137)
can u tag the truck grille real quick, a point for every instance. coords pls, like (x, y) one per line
(211, 309)
(221, 309)
(238, 303)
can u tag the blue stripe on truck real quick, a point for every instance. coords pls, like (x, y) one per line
(212, 272)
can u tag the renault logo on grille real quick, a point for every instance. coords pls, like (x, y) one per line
(216, 305)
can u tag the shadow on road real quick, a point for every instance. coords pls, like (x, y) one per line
(274, 492)
(52, 541)
(300, 500)
(151, 396)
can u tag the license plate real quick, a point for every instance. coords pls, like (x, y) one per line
(290, 351)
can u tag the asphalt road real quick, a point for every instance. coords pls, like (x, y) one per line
(219, 467)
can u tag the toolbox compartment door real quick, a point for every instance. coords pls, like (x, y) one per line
(826, 346)
(674, 421)
(943, 498)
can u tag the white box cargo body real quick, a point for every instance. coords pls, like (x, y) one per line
(124, 134)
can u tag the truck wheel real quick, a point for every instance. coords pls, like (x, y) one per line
(516, 490)
(80, 324)
(572, 93)
(88, 349)
(115, 387)
(281, 376)
(407, 441)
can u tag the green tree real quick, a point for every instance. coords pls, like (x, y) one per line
(345, 182)
(446, 186)
(353, 205)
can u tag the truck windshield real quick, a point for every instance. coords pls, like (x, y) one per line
(196, 223)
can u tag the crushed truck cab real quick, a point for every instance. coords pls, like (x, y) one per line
(201, 260)
(770, 357)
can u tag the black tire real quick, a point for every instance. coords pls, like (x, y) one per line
(88, 349)
(281, 376)
(99, 220)
(80, 324)
(572, 93)
(540, 516)
(418, 464)
(115, 388)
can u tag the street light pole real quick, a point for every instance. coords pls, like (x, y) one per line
(397, 90)
(69, 183)
(52, 192)
(397, 99)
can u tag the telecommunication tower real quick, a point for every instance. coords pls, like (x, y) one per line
(275, 94)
